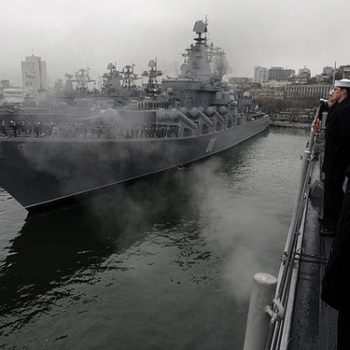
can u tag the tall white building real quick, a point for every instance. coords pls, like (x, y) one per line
(34, 76)
(261, 74)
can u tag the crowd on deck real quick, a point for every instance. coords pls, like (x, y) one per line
(83, 130)
(336, 210)
(26, 128)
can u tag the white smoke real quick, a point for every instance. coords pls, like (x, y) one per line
(241, 223)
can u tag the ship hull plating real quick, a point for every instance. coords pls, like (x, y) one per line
(38, 172)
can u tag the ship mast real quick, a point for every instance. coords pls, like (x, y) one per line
(111, 80)
(128, 76)
(197, 60)
(334, 70)
(153, 73)
(200, 28)
(82, 78)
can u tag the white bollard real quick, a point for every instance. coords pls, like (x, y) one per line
(258, 321)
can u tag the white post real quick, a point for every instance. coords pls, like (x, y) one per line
(258, 321)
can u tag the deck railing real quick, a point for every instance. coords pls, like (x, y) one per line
(280, 309)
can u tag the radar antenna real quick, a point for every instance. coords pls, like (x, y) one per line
(128, 76)
(152, 87)
(111, 80)
(334, 70)
(82, 78)
(200, 28)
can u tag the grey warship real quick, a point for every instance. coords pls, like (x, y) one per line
(182, 120)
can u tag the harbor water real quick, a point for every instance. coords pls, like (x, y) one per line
(165, 263)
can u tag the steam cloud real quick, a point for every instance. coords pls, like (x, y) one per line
(237, 222)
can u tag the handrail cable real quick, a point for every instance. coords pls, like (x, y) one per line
(278, 337)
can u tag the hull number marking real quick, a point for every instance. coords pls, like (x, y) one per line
(211, 145)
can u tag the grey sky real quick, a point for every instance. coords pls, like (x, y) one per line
(68, 35)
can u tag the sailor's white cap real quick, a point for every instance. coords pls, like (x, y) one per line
(345, 83)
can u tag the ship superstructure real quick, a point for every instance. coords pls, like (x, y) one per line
(198, 84)
(180, 121)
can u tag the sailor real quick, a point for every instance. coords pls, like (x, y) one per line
(13, 128)
(3, 129)
(336, 283)
(326, 106)
(37, 129)
(337, 155)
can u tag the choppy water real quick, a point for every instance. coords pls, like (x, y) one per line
(165, 264)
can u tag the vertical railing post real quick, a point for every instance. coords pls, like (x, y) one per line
(258, 321)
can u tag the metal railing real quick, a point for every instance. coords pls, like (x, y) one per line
(281, 308)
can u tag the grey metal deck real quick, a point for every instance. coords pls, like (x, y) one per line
(314, 322)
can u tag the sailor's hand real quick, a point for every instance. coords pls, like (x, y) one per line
(316, 125)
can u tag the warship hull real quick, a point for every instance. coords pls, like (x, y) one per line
(39, 172)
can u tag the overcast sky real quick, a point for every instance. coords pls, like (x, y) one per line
(71, 34)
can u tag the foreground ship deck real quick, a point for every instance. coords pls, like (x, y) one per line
(314, 322)
(299, 318)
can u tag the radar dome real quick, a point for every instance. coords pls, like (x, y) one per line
(211, 110)
(194, 112)
(184, 110)
(161, 113)
(222, 110)
(173, 113)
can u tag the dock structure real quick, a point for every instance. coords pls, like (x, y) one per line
(299, 319)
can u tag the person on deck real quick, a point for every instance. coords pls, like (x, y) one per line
(336, 283)
(327, 106)
(337, 155)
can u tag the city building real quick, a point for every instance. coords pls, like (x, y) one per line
(303, 76)
(268, 92)
(328, 71)
(280, 73)
(285, 84)
(304, 73)
(34, 78)
(261, 74)
(344, 72)
(326, 77)
(275, 84)
(308, 90)
(238, 80)
(4, 84)
(13, 96)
